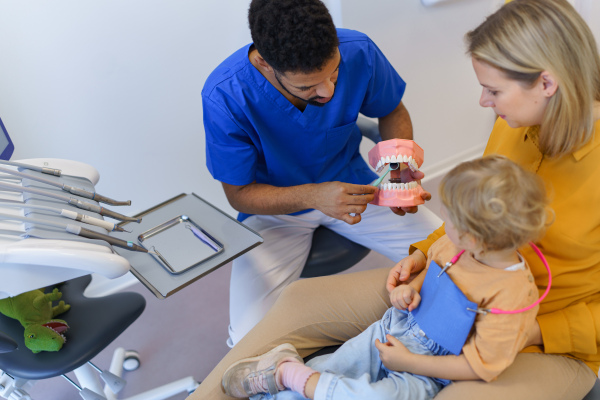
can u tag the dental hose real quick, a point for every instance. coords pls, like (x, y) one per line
(77, 230)
(109, 226)
(73, 190)
(71, 200)
(43, 170)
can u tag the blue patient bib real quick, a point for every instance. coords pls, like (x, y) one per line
(442, 313)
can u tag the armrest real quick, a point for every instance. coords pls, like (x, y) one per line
(35, 263)
(65, 254)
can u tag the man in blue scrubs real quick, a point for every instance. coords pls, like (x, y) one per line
(280, 122)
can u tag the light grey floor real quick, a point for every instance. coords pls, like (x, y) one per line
(183, 335)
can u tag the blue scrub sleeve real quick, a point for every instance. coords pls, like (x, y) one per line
(386, 87)
(231, 157)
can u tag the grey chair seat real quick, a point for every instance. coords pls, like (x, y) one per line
(93, 324)
(594, 394)
(331, 253)
(7, 344)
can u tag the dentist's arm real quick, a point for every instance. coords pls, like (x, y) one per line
(335, 199)
(396, 125)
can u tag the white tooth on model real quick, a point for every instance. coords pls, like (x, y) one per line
(405, 158)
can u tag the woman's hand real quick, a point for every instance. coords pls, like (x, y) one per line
(405, 297)
(401, 271)
(393, 354)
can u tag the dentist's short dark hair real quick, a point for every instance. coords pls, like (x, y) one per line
(293, 35)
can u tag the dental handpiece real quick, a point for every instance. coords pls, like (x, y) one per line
(109, 226)
(71, 200)
(78, 230)
(125, 244)
(73, 190)
(43, 170)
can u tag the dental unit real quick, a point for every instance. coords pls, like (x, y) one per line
(388, 155)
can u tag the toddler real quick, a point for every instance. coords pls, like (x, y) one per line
(491, 207)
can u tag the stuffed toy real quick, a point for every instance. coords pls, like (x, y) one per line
(35, 312)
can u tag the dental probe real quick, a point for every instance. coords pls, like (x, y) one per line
(109, 226)
(67, 188)
(71, 200)
(79, 231)
(44, 170)
(391, 166)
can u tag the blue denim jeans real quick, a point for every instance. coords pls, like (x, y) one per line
(355, 371)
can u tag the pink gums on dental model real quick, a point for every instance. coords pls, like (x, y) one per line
(396, 194)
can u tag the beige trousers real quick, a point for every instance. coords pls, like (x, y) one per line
(319, 312)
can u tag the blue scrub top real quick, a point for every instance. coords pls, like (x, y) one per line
(253, 133)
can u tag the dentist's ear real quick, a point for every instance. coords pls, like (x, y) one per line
(262, 63)
(549, 83)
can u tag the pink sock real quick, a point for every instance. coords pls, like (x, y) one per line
(294, 375)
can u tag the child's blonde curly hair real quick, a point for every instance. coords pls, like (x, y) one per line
(496, 201)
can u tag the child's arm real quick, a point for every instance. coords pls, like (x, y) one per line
(396, 357)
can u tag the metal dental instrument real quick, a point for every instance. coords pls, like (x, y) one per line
(44, 170)
(160, 256)
(391, 166)
(77, 230)
(109, 226)
(71, 200)
(203, 237)
(67, 188)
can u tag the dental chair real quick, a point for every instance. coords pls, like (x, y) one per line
(331, 253)
(33, 257)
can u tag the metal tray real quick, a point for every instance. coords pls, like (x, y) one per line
(180, 244)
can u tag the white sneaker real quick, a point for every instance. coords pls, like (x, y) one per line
(255, 375)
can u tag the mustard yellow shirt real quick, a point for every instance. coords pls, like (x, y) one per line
(569, 317)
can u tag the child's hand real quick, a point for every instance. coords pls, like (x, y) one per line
(393, 354)
(405, 297)
(402, 271)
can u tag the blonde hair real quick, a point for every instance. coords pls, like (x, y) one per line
(496, 201)
(526, 37)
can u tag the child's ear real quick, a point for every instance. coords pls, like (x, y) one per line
(470, 242)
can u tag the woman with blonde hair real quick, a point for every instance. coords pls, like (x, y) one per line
(538, 64)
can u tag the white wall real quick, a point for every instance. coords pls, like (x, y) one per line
(116, 83)
(426, 46)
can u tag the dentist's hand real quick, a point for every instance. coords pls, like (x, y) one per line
(339, 200)
(401, 271)
(406, 175)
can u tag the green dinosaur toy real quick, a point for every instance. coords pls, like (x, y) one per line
(35, 312)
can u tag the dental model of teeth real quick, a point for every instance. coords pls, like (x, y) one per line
(394, 193)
